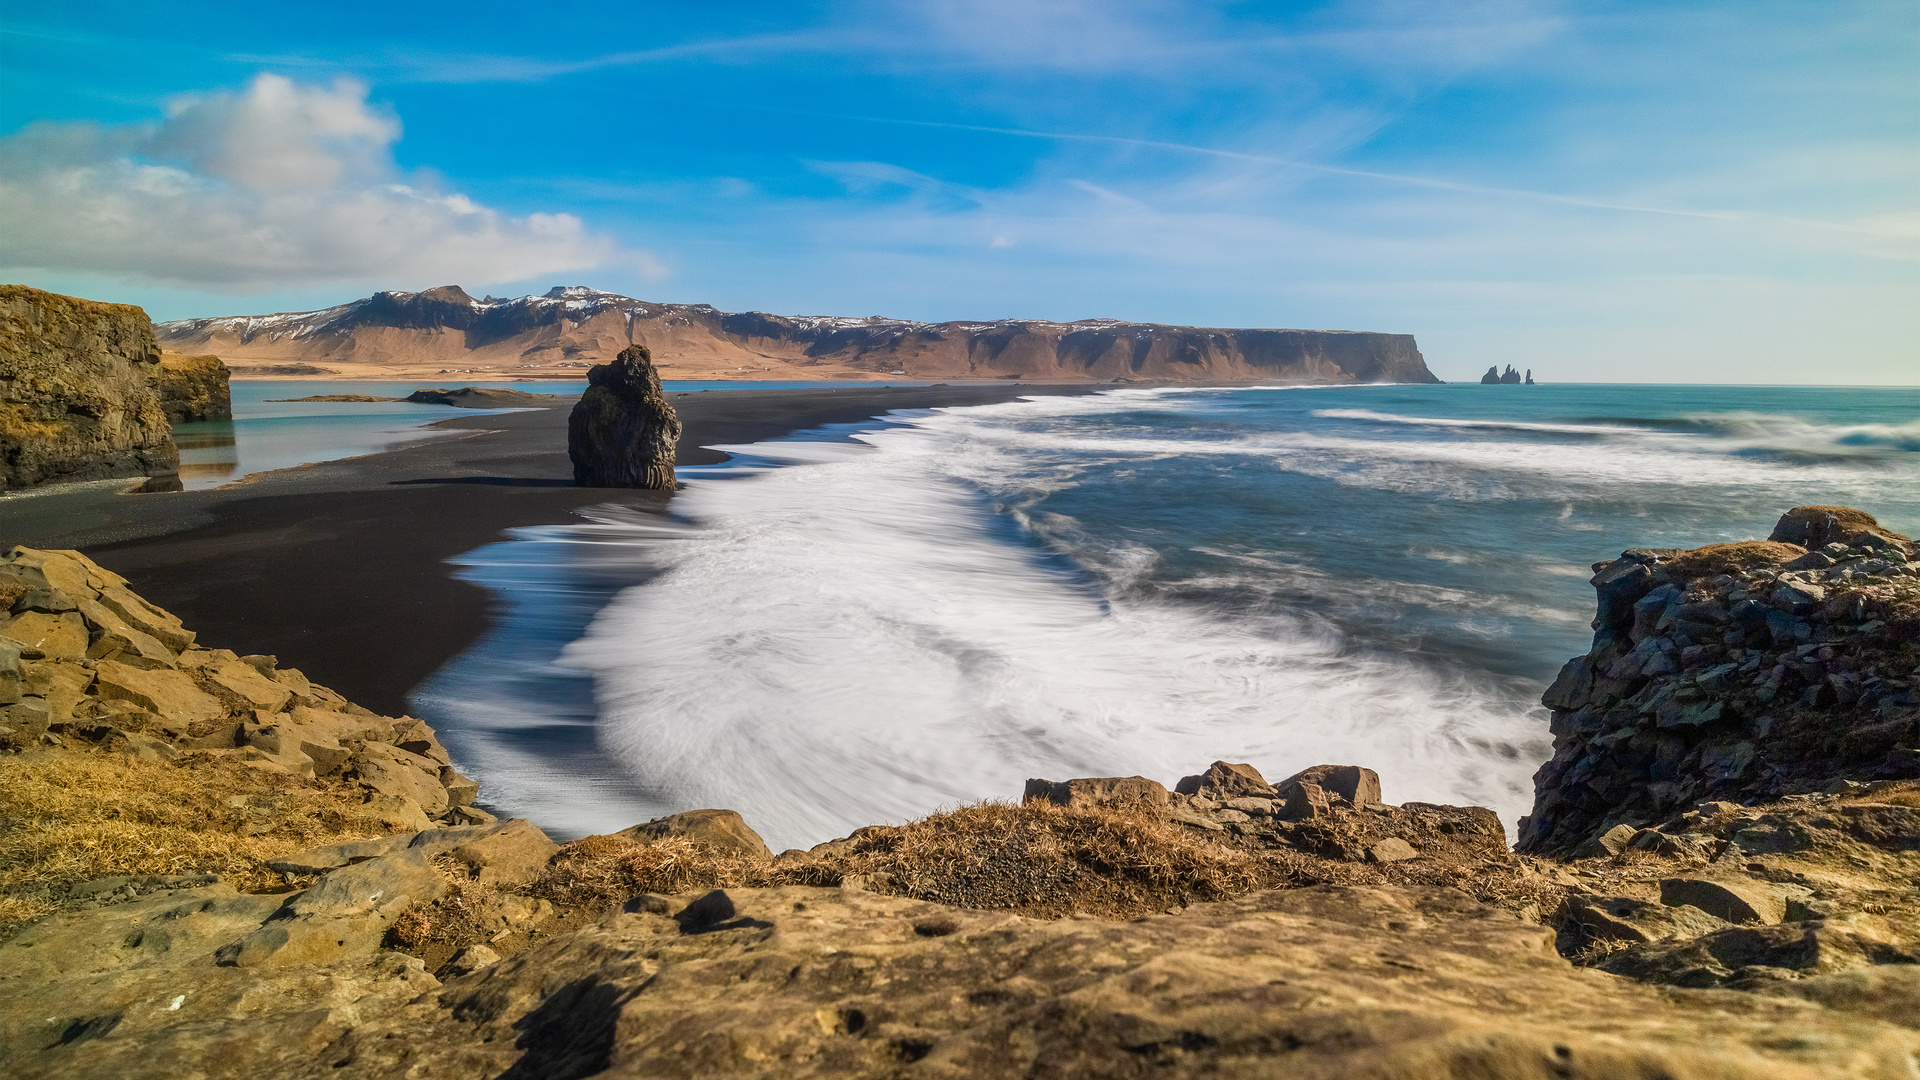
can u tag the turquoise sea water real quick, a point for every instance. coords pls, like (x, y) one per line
(268, 434)
(866, 623)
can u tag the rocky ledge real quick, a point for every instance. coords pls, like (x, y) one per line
(1740, 672)
(253, 887)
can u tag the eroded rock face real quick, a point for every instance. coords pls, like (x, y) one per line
(1736, 671)
(193, 388)
(77, 396)
(623, 433)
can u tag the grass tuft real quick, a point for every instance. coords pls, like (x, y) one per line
(1732, 558)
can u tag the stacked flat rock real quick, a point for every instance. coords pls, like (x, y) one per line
(1736, 672)
(623, 433)
(88, 663)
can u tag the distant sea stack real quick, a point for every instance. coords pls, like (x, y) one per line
(623, 431)
(1494, 377)
(78, 399)
(568, 330)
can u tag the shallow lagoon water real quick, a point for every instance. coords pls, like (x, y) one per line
(267, 434)
(865, 624)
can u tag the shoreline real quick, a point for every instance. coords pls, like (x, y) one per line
(306, 564)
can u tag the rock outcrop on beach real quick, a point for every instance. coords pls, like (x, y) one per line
(77, 392)
(1735, 672)
(570, 329)
(211, 866)
(623, 432)
(484, 397)
(193, 388)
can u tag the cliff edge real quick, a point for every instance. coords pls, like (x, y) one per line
(77, 394)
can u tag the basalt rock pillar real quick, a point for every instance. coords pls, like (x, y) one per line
(623, 431)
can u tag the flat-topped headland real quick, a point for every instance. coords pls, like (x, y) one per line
(566, 331)
(214, 864)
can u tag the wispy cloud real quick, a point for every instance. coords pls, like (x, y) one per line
(1890, 226)
(426, 66)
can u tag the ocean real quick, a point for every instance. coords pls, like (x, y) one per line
(867, 623)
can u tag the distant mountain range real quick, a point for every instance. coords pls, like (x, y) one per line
(567, 330)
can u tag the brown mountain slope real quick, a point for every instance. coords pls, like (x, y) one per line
(567, 330)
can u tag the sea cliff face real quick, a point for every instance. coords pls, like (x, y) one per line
(213, 865)
(570, 329)
(77, 394)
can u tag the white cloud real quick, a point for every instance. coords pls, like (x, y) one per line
(279, 185)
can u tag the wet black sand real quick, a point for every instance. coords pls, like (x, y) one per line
(338, 568)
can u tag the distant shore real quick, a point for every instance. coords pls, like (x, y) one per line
(339, 568)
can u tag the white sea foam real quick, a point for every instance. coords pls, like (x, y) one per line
(851, 642)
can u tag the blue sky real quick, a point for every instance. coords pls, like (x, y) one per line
(1710, 192)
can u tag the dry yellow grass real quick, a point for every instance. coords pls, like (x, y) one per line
(1732, 558)
(1907, 794)
(67, 818)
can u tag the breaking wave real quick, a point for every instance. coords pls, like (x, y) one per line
(860, 640)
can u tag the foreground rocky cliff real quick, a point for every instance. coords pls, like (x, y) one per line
(77, 391)
(231, 891)
(570, 329)
(1737, 672)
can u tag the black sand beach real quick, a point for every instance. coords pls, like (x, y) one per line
(338, 568)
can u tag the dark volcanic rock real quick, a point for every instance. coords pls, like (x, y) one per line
(623, 431)
(481, 397)
(77, 400)
(1740, 672)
